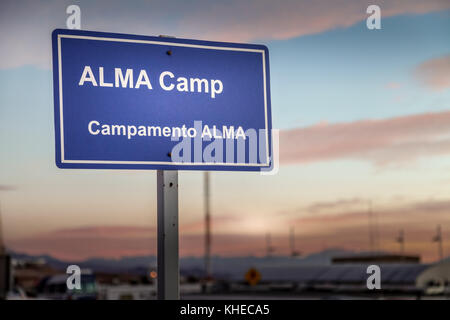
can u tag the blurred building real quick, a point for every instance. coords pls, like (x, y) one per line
(435, 279)
(5, 275)
(344, 277)
(400, 274)
(376, 258)
(27, 274)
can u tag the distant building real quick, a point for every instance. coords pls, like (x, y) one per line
(28, 273)
(5, 275)
(400, 274)
(376, 258)
(344, 277)
(435, 279)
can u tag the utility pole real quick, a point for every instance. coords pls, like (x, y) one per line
(438, 238)
(374, 234)
(207, 227)
(269, 248)
(376, 229)
(371, 230)
(292, 241)
(2, 246)
(5, 267)
(294, 252)
(401, 240)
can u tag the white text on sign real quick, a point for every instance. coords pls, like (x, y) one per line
(166, 81)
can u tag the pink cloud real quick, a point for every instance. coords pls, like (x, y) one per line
(340, 211)
(105, 231)
(86, 242)
(4, 187)
(345, 230)
(382, 142)
(340, 204)
(267, 19)
(435, 73)
(393, 85)
(199, 225)
(124, 240)
(342, 223)
(233, 20)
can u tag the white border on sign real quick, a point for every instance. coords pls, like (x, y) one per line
(61, 121)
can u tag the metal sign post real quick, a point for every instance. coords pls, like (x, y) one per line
(167, 255)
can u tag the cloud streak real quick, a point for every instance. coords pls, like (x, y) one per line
(26, 25)
(120, 241)
(435, 73)
(337, 223)
(4, 187)
(416, 211)
(382, 142)
(266, 19)
(340, 204)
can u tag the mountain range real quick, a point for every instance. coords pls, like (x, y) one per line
(194, 266)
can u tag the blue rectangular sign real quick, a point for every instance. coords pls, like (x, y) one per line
(139, 102)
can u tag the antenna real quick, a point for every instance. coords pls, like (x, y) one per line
(438, 238)
(292, 241)
(376, 229)
(374, 235)
(269, 248)
(2, 246)
(294, 252)
(371, 229)
(207, 227)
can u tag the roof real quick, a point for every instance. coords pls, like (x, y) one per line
(378, 258)
(349, 273)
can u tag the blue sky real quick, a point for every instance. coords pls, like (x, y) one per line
(343, 75)
(328, 73)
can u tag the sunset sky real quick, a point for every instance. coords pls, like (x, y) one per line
(364, 117)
